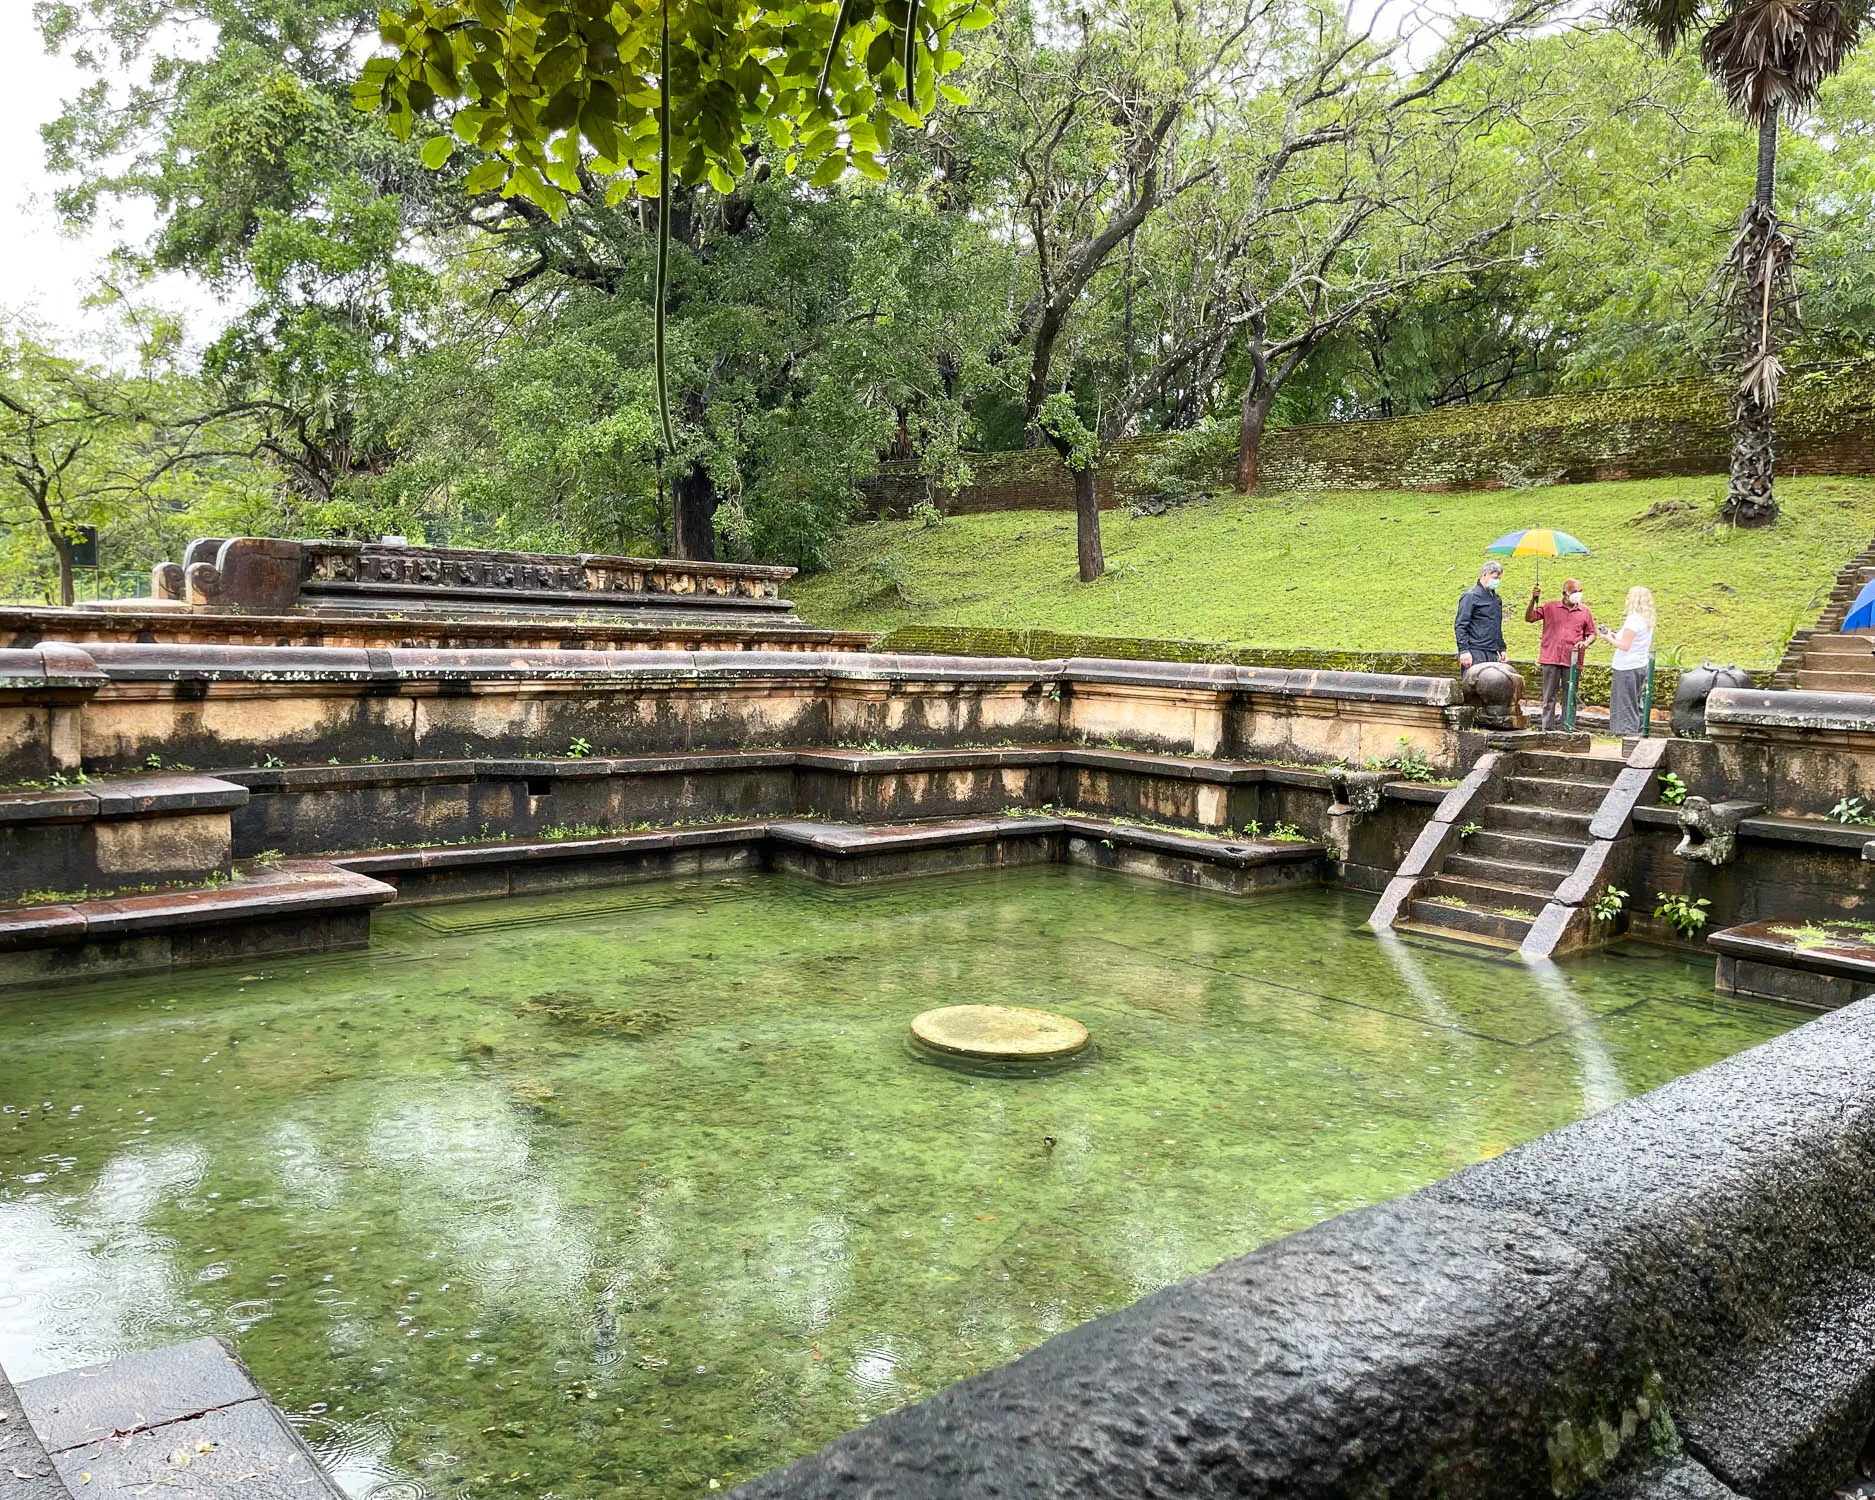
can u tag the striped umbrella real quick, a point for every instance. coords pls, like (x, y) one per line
(1541, 541)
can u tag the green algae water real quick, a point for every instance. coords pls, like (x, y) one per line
(643, 1190)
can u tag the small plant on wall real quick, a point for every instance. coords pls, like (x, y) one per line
(1854, 811)
(1610, 904)
(1683, 915)
(1672, 790)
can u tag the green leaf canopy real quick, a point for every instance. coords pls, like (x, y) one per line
(548, 89)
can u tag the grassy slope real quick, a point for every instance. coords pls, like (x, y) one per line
(1360, 571)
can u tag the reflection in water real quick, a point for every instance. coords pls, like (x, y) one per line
(625, 1192)
(85, 1274)
(1601, 1079)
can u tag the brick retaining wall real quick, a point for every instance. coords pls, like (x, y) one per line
(1826, 425)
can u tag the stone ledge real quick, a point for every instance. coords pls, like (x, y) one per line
(1565, 1315)
(132, 661)
(293, 888)
(443, 770)
(1761, 708)
(123, 797)
(1756, 940)
(1813, 832)
(839, 839)
(115, 1428)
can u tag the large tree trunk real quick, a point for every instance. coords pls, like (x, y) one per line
(1256, 415)
(1087, 524)
(1750, 499)
(693, 497)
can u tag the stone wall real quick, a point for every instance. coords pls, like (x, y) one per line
(110, 707)
(1826, 425)
(972, 640)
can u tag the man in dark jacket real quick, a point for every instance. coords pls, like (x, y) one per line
(1480, 623)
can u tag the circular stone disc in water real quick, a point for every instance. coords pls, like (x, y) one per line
(1002, 1033)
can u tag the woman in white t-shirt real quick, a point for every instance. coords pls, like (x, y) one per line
(1634, 646)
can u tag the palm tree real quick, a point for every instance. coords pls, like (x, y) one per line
(1770, 58)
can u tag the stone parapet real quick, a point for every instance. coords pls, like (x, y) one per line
(275, 576)
(233, 706)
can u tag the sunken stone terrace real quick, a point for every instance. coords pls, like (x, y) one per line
(620, 824)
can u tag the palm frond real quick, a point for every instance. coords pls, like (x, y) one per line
(1668, 20)
(1770, 57)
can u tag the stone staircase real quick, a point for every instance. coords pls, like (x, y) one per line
(1493, 884)
(1822, 658)
(1837, 663)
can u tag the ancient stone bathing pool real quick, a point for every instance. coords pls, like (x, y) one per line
(644, 1190)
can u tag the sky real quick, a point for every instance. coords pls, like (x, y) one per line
(45, 273)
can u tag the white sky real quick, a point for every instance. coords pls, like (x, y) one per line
(44, 273)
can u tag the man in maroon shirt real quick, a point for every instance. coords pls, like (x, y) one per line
(1568, 628)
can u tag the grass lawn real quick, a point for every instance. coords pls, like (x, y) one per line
(1362, 571)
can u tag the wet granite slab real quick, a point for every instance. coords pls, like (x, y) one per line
(187, 1421)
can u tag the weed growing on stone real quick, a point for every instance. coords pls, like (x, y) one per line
(1672, 790)
(1854, 811)
(1684, 916)
(1809, 935)
(1609, 904)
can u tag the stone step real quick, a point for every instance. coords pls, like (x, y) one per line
(1545, 822)
(1490, 894)
(1539, 879)
(1550, 791)
(1836, 682)
(1561, 855)
(1432, 933)
(1471, 922)
(1563, 767)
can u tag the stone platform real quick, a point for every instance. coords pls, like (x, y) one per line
(188, 1422)
(1000, 1033)
(1820, 963)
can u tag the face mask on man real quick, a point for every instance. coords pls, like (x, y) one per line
(1490, 583)
(1576, 597)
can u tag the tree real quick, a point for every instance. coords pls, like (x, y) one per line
(1059, 424)
(1348, 184)
(806, 330)
(1095, 139)
(1770, 59)
(556, 93)
(269, 187)
(84, 446)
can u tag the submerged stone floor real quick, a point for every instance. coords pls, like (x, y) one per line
(639, 1188)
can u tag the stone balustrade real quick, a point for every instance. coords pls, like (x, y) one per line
(274, 576)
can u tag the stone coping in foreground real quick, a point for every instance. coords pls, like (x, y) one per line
(1674, 1296)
